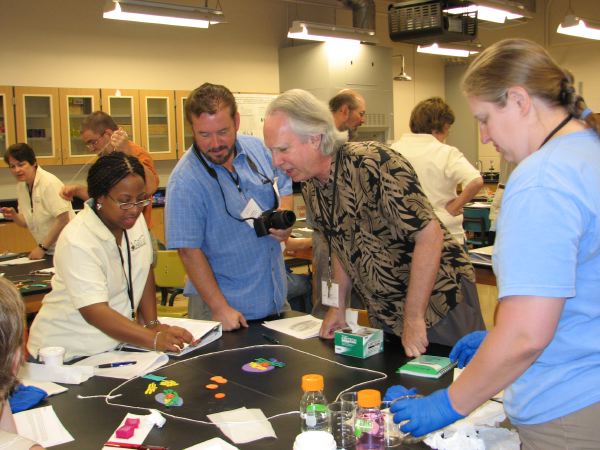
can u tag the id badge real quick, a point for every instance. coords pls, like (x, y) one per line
(330, 294)
(251, 210)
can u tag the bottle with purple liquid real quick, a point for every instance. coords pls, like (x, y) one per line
(369, 423)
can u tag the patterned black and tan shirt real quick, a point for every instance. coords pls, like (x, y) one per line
(379, 209)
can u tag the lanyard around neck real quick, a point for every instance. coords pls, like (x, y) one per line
(128, 280)
(329, 233)
(558, 127)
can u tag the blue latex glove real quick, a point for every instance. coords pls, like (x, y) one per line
(466, 347)
(425, 414)
(25, 397)
(398, 391)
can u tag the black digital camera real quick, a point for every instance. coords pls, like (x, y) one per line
(273, 219)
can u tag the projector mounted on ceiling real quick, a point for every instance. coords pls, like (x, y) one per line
(424, 22)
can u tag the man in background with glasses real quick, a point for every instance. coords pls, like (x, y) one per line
(101, 135)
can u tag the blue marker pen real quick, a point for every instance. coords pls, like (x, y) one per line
(116, 364)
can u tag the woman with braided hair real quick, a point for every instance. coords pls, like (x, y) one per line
(544, 349)
(103, 292)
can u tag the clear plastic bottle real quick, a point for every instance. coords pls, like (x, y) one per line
(314, 415)
(369, 423)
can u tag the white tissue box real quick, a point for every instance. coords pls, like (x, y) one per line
(360, 343)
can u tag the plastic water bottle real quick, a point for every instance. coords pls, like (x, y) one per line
(369, 423)
(314, 415)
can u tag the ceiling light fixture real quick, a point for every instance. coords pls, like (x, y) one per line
(329, 33)
(576, 26)
(486, 13)
(162, 13)
(402, 76)
(435, 49)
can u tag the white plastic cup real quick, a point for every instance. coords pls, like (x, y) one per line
(312, 440)
(52, 356)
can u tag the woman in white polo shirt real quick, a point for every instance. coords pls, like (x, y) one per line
(103, 292)
(41, 208)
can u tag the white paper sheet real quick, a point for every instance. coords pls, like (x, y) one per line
(212, 444)
(301, 327)
(145, 362)
(243, 425)
(18, 261)
(42, 426)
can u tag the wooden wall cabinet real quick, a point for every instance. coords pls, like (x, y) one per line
(75, 106)
(38, 122)
(158, 124)
(158, 224)
(7, 121)
(14, 238)
(123, 105)
(184, 130)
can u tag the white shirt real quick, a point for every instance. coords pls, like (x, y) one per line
(440, 168)
(47, 204)
(89, 271)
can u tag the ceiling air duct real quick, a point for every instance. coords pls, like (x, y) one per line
(363, 13)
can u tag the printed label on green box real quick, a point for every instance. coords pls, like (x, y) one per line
(361, 343)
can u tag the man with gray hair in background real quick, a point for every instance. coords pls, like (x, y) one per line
(383, 236)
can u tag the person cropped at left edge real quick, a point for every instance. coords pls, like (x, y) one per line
(103, 292)
(12, 327)
(384, 237)
(41, 209)
(217, 189)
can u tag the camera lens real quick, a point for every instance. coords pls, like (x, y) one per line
(283, 219)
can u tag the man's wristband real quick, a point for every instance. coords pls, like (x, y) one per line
(42, 247)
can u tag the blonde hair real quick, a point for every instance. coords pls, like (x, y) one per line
(520, 62)
(12, 325)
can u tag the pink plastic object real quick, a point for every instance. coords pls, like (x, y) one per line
(132, 422)
(125, 432)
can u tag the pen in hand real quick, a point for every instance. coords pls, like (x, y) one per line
(115, 364)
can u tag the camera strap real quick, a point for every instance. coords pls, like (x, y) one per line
(213, 174)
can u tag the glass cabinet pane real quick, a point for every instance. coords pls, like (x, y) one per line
(121, 110)
(79, 108)
(38, 123)
(188, 137)
(158, 124)
(3, 125)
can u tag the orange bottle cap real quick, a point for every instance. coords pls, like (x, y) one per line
(369, 398)
(312, 382)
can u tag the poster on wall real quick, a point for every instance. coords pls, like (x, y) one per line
(252, 109)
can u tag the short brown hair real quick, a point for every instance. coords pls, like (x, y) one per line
(12, 324)
(99, 122)
(209, 98)
(344, 97)
(430, 116)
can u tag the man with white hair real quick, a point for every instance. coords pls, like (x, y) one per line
(384, 237)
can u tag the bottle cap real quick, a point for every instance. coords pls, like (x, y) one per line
(312, 382)
(369, 398)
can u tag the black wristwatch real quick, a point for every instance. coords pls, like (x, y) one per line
(42, 247)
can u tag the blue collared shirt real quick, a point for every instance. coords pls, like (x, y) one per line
(249, 270)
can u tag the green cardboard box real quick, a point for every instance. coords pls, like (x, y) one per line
(362, 343)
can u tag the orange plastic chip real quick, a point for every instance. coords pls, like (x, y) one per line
(219, 379)
(219, 395)
(212, 386)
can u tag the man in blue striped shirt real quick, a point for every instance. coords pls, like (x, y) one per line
(220, 184)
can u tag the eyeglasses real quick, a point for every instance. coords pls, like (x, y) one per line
(129, 205)
(92, 143)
